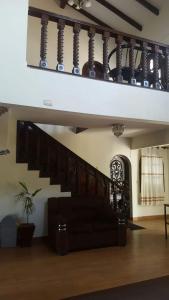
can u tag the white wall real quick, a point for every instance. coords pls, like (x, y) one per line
(160, 137)
(157, 27)
(11, 173)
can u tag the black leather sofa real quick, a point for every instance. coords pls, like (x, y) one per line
(76, 223)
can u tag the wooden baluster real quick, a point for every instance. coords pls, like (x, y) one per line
(86, 183)
(97, 183)
(106, 36)
(156, 67)
(167, 68)
(144, 62)
(91, 35)
(77, 175)
(61, 26)
(132, 62)
(76, 31)
(119, 41)
(43, 46)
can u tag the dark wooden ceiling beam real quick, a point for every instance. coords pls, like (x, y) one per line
(120, 14)
(91, 17)
(149, 6)
(63, 3)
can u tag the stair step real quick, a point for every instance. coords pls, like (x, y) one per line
(65, 188)
(55, 180)
(44, 174)
(58, 178)
(32, 167)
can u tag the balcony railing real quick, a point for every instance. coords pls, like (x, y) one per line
(133, 60)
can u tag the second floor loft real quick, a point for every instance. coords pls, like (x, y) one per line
(63, 44)
(49, 63)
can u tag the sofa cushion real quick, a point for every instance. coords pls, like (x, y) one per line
(103, 226)
(80, 228)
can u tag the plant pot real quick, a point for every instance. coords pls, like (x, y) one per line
(25, 234)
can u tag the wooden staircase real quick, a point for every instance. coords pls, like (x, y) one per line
(42, 152)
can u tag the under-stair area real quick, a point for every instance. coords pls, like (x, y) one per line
(42, 152)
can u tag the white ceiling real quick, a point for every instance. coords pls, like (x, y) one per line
(134, 10)
(49, 116)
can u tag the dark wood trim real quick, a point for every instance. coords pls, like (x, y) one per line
(120, 14)
(91, 17)
(36, 12)
(63, 3)
(149, 6)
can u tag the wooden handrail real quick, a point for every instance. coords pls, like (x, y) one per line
(36, 12)
(134, 74)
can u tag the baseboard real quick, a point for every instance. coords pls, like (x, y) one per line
(148, 218)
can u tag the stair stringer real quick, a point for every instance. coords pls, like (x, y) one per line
(44, 153)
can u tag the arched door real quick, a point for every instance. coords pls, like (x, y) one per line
(120, 171)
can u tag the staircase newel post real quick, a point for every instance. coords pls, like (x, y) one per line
(156, 67)
(119, 41)
(105, 37)
(122, 231)
(91, 35)
(167, 68)
(145, 81)
(43, 45)
(60, 54)
(132, 62)
(76, 31)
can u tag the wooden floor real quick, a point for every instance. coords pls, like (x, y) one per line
(38, 274)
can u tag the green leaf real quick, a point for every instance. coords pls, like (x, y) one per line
(24, 186)
(37, 191)
(27, 198)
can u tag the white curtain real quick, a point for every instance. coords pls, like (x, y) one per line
(152, 177)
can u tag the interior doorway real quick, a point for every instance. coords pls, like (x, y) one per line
(120, 171)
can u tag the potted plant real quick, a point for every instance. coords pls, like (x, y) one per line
(26, 230)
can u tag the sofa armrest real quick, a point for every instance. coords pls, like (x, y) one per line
(122, 231)
(62, 247)
(57, 233)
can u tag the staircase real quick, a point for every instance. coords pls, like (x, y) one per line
(42, 152)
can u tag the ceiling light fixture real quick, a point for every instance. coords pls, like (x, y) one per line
(118, 129)
(80, 3)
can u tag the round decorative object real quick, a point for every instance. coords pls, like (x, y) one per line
(98, 68)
